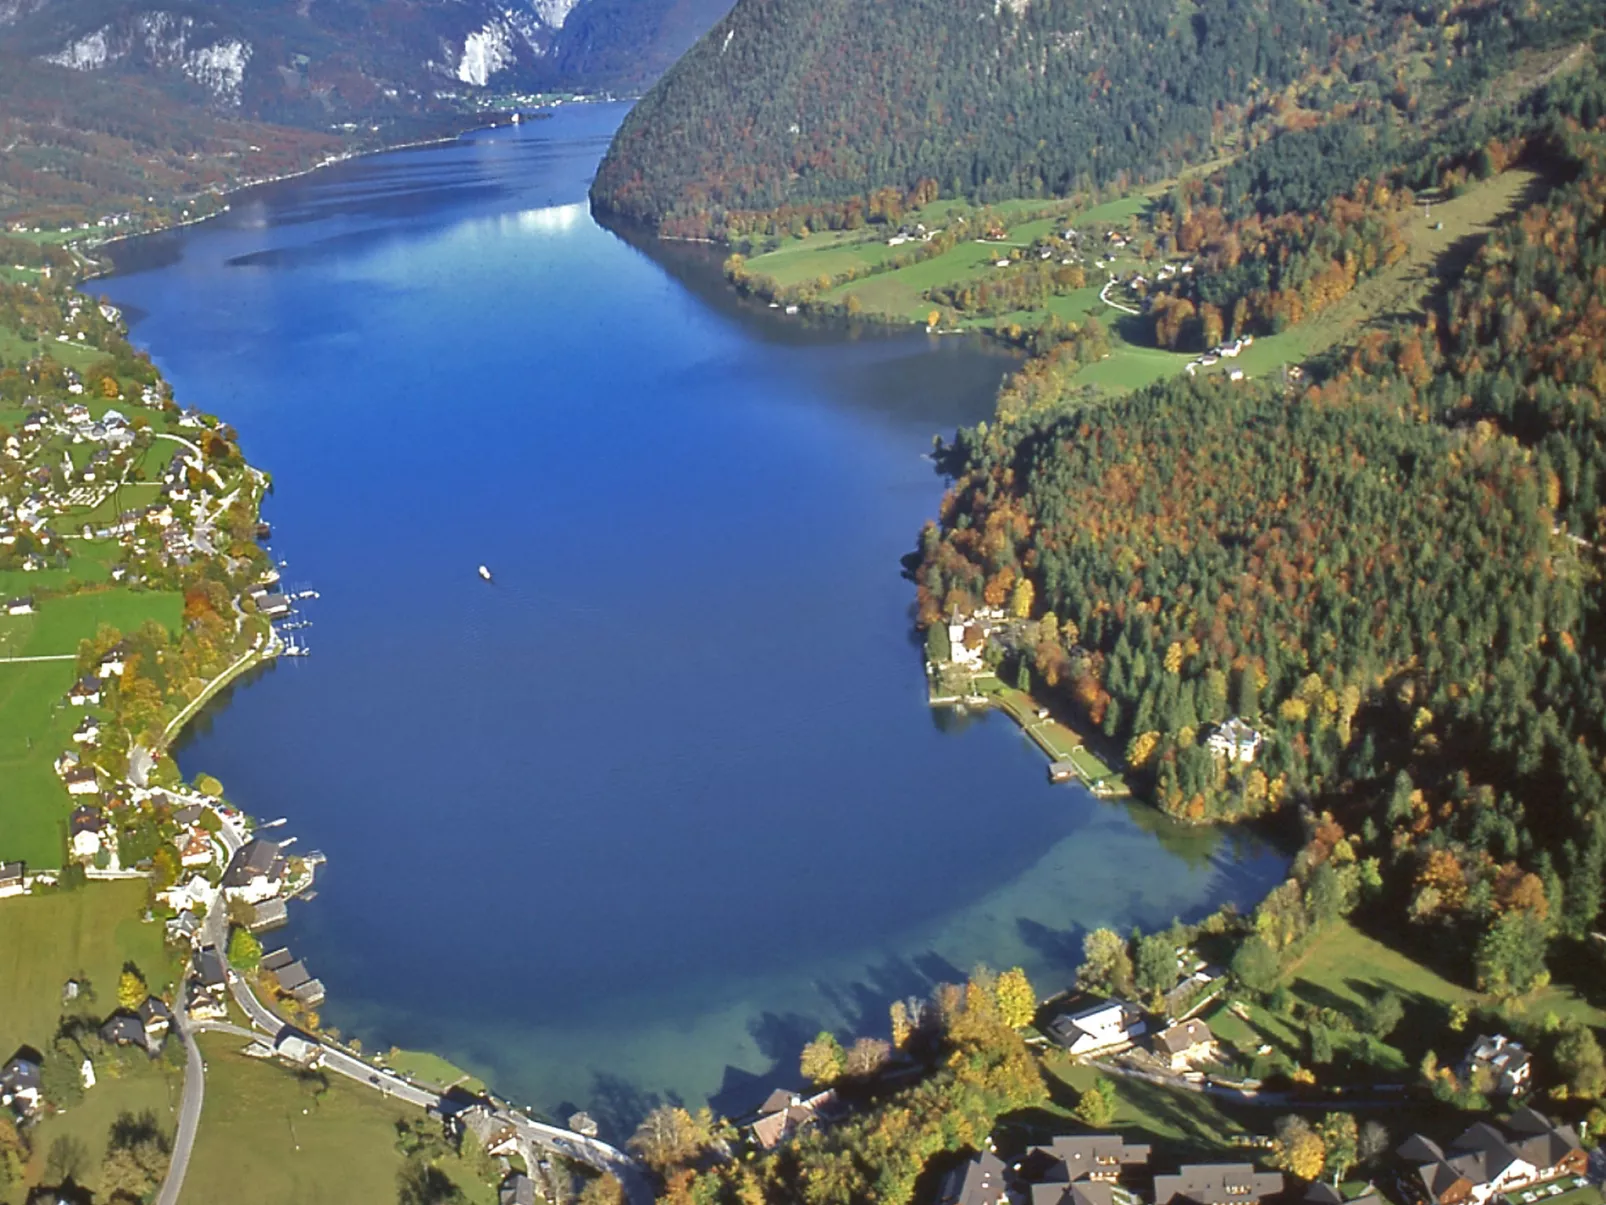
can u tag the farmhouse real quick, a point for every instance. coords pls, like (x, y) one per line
(1183, 1045)
(1508, 1066)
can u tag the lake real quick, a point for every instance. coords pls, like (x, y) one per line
(642, 816)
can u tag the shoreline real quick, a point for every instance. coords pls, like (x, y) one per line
(234, 190)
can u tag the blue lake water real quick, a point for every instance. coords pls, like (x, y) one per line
(641, 817)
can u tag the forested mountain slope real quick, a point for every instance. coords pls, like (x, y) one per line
(1394, 574)
(802, 102)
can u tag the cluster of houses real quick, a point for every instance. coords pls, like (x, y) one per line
(1116, 1026)
(1527, 1159)
(1103, 1169)
(144, 1028)
(1223, 351)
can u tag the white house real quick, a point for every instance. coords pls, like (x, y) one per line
(87, 732)
(82, 781)
(1509, 1065)
(13, 879)
(20, 606)
(1235, 740)
(183, 898)
(112, 665)
(1102, 1027)
(84, 691)
(87, 825)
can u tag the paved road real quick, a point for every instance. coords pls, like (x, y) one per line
(189, 1113)
(41, 657)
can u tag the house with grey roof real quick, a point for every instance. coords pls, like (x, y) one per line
(1217, 1184)
(1081, 1169)
(20, 1082)
(255, 872)
(1184, 1044)
(1507, 1065)
(981, 1181)
(1485, 1162)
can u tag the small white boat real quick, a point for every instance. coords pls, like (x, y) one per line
(485, 573)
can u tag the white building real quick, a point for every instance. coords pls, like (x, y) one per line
(1235, 740)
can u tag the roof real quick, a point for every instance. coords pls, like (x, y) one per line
(275, 959)
(517, 1189)
(1482, 1152)
(155, 1010)
(1185, 1036)
(209, 966)
(20, 1073)
(774, 1127)
(255, 859)
(292, 976)
(12, 872)
(1217, 1184)
(86, 819)
(978, 1182)
(123, 1029)
(778, 1101)
(1071, 1157)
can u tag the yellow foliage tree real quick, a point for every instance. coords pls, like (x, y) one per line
(131, 989)
(1141, 749)
(1017, 1002)
(1020, 601)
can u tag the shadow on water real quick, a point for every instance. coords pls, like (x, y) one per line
(201, 722)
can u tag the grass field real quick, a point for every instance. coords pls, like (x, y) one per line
(268, 1137)
(48, 938)
(35, 722)
(432, 1069)
(144, 1084)
(1180, 1124)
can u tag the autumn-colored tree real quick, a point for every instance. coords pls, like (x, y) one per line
(1096, 1107)
(670, 1136)
(1017, 1002)
(131, 989)
(1298, 1149)
(902, 1024)
(823, 1058)
(1020, 601)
